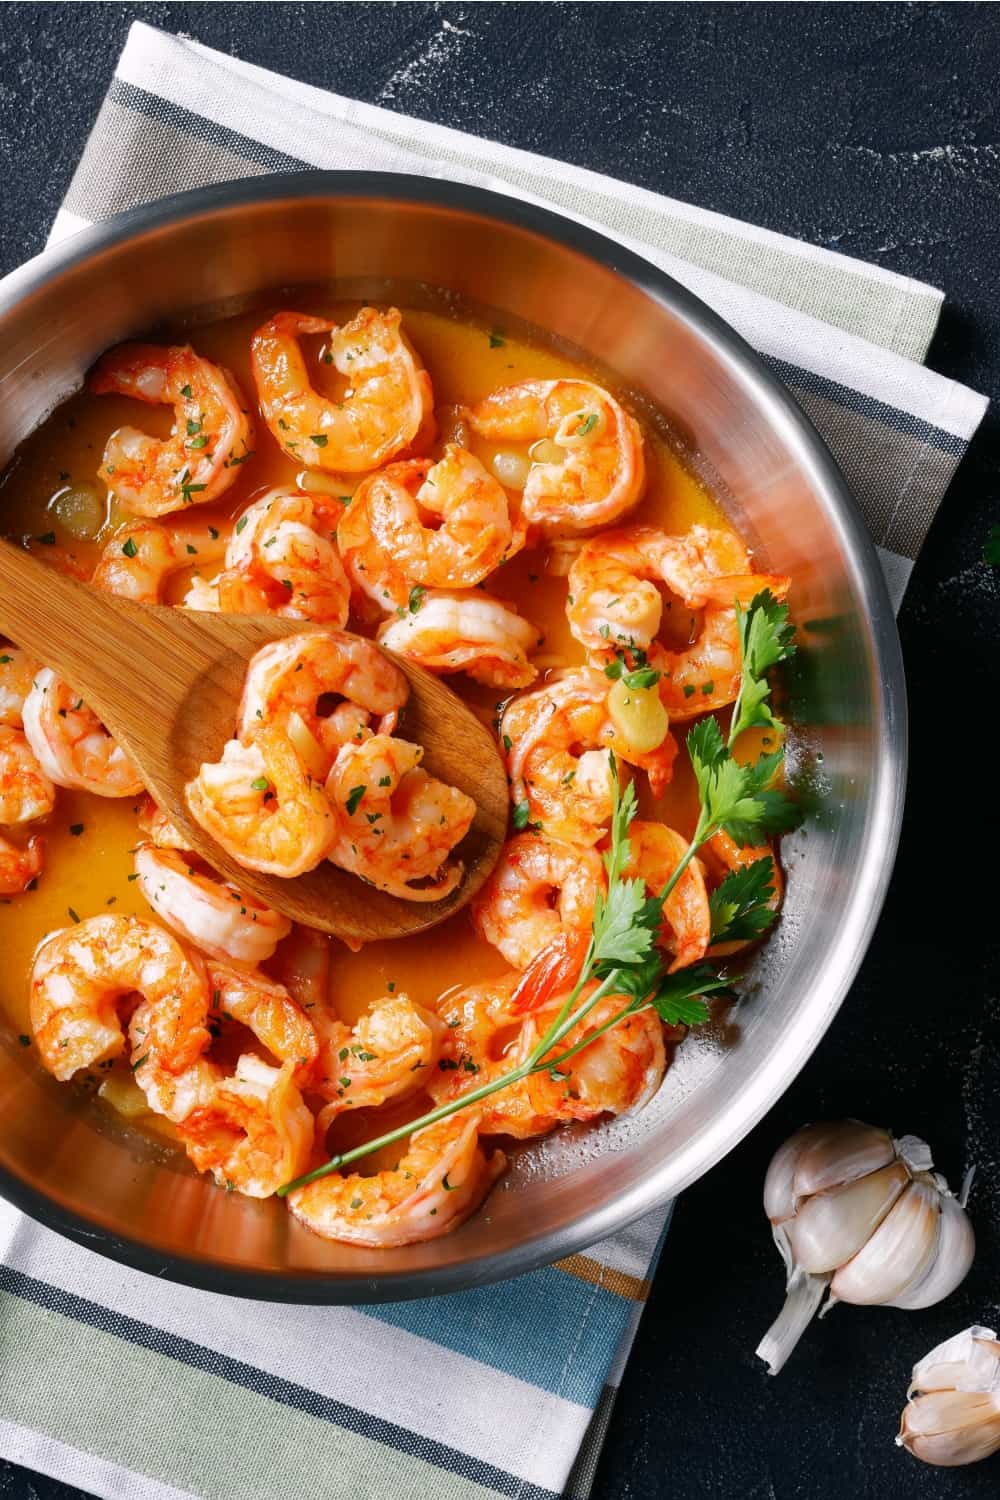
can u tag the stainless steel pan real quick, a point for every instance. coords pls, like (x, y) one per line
(70, 1166)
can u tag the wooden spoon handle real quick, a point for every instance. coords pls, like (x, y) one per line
(90, 638)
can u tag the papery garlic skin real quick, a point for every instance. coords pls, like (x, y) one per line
(859, 1217)
(955, 1416)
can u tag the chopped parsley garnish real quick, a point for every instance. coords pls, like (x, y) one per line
(588, 424)
(260, 784)
(354, 797)
(129, 548)
(416, 598)
(521, 814)
(319, 438)
(645, 677)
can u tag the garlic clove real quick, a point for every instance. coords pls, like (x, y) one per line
(968, 1362)
(780, 1199)
(839, 1152)
(822, 1156)
(955, 1417)
(954, 1254)
(831, 1227)
(948, 1428)
(899, 1251)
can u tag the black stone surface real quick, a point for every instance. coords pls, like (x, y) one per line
(874, 129)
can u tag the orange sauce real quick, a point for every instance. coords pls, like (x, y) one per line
(87, 870)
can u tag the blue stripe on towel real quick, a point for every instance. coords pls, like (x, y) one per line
(510, 1326)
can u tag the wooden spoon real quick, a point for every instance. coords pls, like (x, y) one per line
(167, 684)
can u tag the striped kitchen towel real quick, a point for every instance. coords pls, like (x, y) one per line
(131, 1387)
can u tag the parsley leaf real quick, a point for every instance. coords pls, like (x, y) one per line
(991, 549)
(766, 638)
(740, 907)
(679, 998)
(735, 798)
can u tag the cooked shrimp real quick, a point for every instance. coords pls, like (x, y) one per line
(538, 887)
(396, 824)
(614, 605)
(302, 964)
(466, 632)
(386, 406)
(266, 1007)
(282, 559)
(484, 1040)
(619, 1071)
(212, 432)
(137, 561)
(219, 919)
(617, 1074)
(82, 973)
(289, 681)
(384, 1056)
(157, 827)
(20, 864)
(253, 1132)
(262, 806)
(558, 740)
(614, 598)
(441, 1179)
(721, 855)
(439, 525)
(26, 793)
(71, 744)
(655, 852)
(706, 675)
(17, 672)
(588, 464)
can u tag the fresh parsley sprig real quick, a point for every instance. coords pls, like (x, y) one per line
(766, 638)
(622, 956)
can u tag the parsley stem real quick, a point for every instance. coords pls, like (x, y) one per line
(555, 1062)
(565, 1022)
(704, 831)
(442, 1112)
(533, 1063)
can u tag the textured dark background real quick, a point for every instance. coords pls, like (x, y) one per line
(874, 129)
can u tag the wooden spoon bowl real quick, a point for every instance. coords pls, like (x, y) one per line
(167, 684)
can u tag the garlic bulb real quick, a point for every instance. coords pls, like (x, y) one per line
(955, 1416)
(863, 1217)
